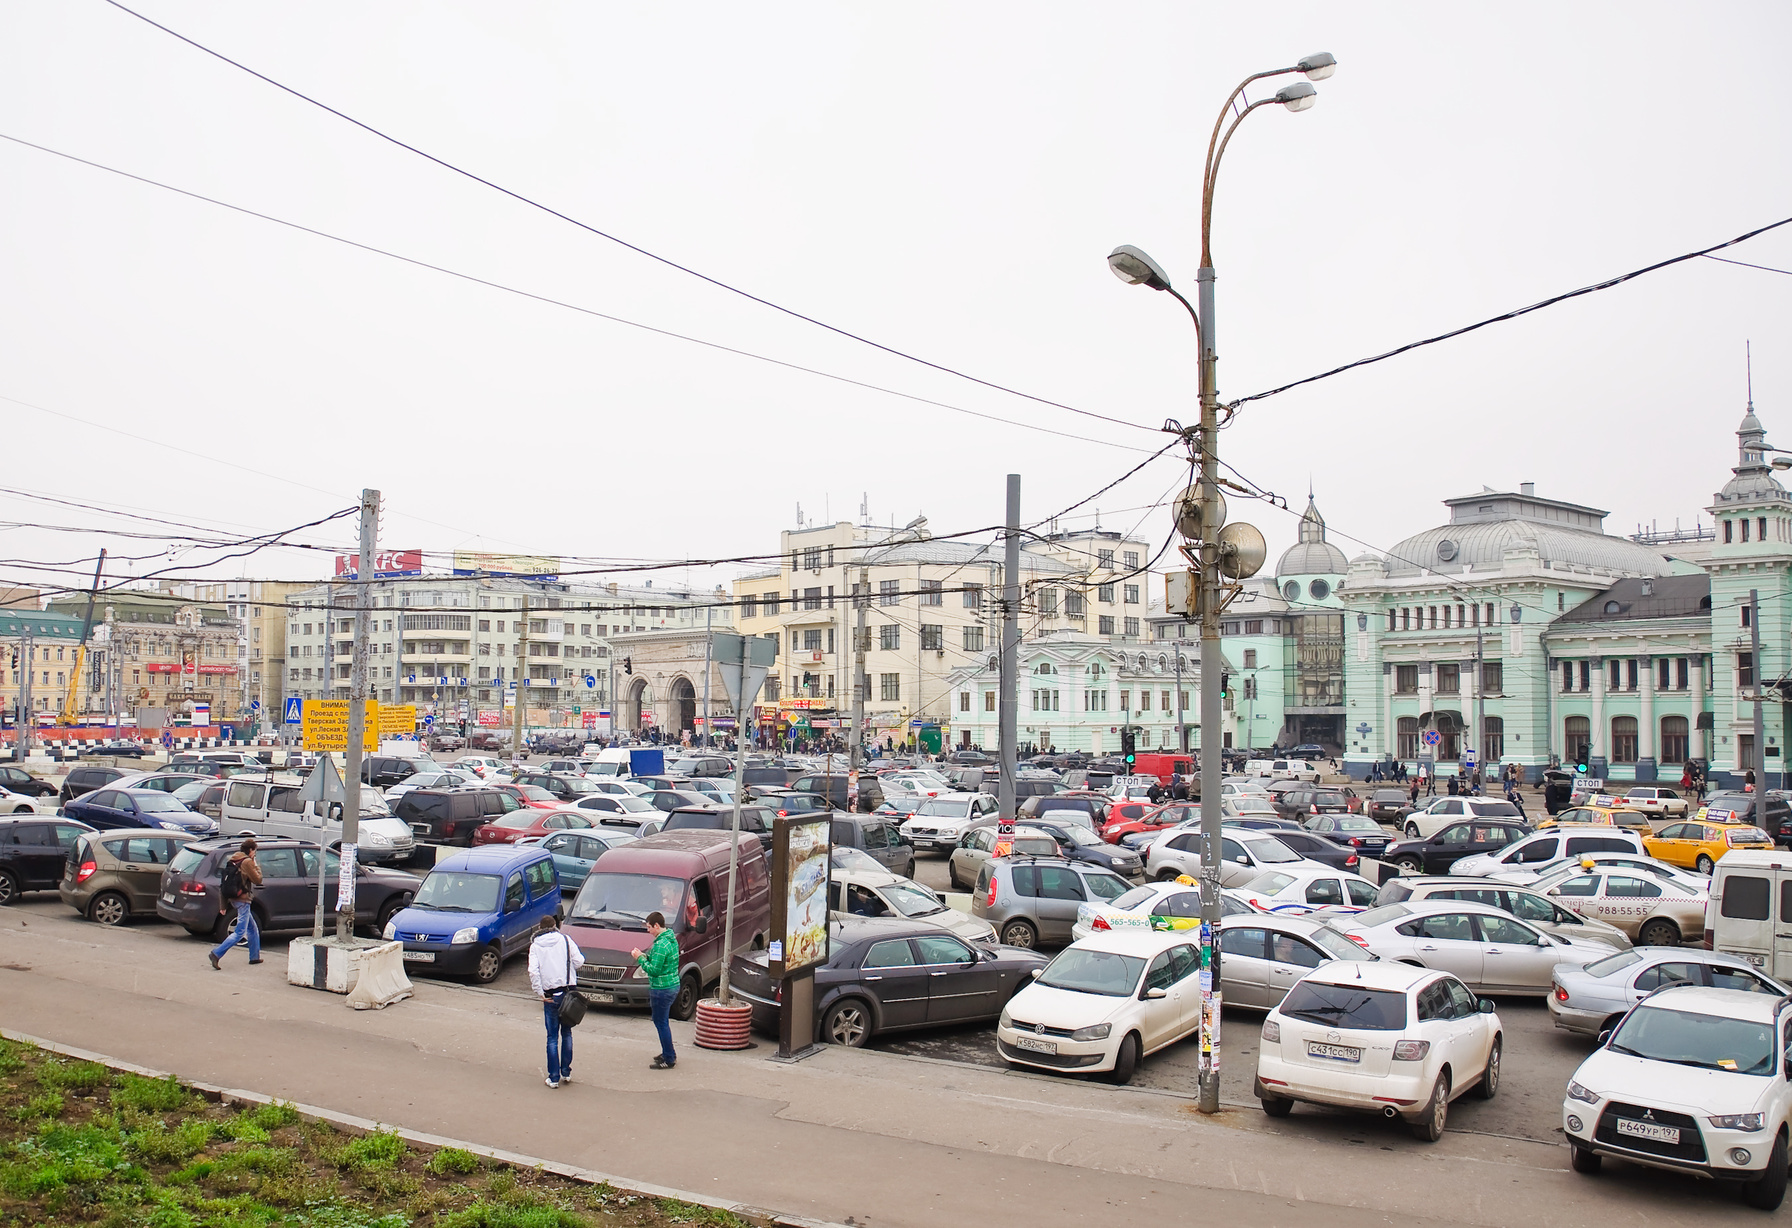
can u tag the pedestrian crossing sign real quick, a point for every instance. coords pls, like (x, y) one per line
(295, 707)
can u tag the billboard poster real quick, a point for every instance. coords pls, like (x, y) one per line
(386, 564)
(800, 873)
(528, 566)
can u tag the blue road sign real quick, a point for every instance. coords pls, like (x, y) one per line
(294, 709)
(590, 680)
(1365, 728)
(428, 719)
(255, 705)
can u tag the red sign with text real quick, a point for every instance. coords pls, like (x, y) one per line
(385, 563)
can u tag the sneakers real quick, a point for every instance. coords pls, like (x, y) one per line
(216, 966)
(566, 1076)
(551, 1083)
(660, 1063)
(253, 962)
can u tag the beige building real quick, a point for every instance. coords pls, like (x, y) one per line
(665, 688)
(152, 649)
(258, 606)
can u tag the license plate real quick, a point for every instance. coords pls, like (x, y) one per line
(1648, 1130)
(1759, 961)
(1334, 1053)
(419, 957)
(603, 997)
(1035, 1046)
(167, 897)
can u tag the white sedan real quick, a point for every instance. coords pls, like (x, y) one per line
(432, 780)
(1104, 1003)
(1384, 1038)
(1489, 949)
(19, 803)
(1171, 905)
(1302, 889)
(618, 787)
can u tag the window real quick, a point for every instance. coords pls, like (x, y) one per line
(773, 603)
(1075, 605)
(933, 637)
(892, 687)
(1495, 736)
(1744, 523)
(1048, 602)
(1586, 675)
(931, 592)
(1095, 700)
(1131, 594)
(973, 638)
(1664, 674)
(811, 598)
(1104, 559)
(1449, 679)
(889, 637)
(1761, 528)
(1126, 701)
(1393, 618)
(1407, 737)
(1405, 619)
(1130, 627)
(1433, 610)
(973, 596)
(1673, 739)
(964, 701)
(1250, 658)
(1105, 625)
(1104, 593)
(889, 592)
(1406, 679)
(1727, 538)
(1745, 669)
(812, 639)
(1132, 560)
(1493, 678)
(989, 701)
(1577, 731)
(1745, 897)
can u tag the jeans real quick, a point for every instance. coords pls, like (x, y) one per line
(559, 1055)
(661, 1000)
(246, 930)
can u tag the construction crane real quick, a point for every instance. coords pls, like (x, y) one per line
(71, 703)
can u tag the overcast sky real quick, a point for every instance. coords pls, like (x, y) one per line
(946, 180)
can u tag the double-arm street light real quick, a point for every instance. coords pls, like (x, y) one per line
(1136, 268)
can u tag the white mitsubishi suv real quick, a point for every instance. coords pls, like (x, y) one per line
(1693, 1080)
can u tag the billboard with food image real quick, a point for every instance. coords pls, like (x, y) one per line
(800, 864)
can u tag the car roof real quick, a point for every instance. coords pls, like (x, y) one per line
(1425, 908)
(47, 818)
(1721, 1003)
(1131, 941)
(1377, 974)
(492, 858)
(1455, 880)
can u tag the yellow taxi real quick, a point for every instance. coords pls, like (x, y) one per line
(1601, 816)
(1701, 845)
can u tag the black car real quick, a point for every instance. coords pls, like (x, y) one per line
(754, 819)
(1387, 805)
(886, 974)
(1078, 843)
(18, 780)
(1315, 847)
(564, 788)
(87, 779)
(788, 801)
(1735, 807)
(452, 815)
(1358, 831)
(970, 758)
(287, 897)
(114, 750)
(1436, 853)
(32, 852)
(878, 837)
(384, 771)
(1308, 800)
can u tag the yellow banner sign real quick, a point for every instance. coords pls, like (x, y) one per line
(325, 725)
(397, 718)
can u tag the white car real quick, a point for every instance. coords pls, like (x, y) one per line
(1245, 853)
(1104, 1003)
(433, 779)
(1488, 948)
(1248, 806)
(938, 822)
(1693, 1080)
(1174, 904)
(1384, 1038)
(483, 766)
(899, 786)
(1252, 787)
(1133, 788)
(1547, 849)
(1542, 881)
(1442, 811)
(878, 893)
(19, 803)
(618, 787)
(1302, 889)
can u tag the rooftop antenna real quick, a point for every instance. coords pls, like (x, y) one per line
(1748, 363)
(864, 507)
(799, 514)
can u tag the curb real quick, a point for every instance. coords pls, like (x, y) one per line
(361, 1125)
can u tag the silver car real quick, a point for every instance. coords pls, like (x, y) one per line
(1522, 902)
(978, 845)
(1265, 955)
(1489, 949)
(1589, 1000)
(1244, 853)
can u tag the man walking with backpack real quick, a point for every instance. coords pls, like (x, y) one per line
(237, 882)
(554, 961)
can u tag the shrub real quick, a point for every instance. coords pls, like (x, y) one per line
(453, 1160)
(381, 1149)
(69, 1076)
(154, 1143)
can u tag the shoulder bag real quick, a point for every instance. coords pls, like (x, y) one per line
(572, 1002)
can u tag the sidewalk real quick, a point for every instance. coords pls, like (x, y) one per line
(880, 1139)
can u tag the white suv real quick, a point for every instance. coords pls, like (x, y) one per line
(1693, 1080)
(1547, 849)
(1443, 811)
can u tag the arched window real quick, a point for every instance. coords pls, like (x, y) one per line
(1577, 731)
(1495, 735)
(1044, 667)
(1407, 743)
(1623, 739)
(1673, 739)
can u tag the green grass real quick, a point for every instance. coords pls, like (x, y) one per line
(72, 1076)
(453, 1160)
(150, 1095)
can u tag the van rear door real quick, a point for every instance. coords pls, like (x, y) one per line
(1742, 898)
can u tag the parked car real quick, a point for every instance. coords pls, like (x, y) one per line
(531, 824)
(756, 820)
(1658, 803)
(274, 805)
(1244, 854)
(1600, 814)
(1104, 1004)
(1700, 845)
(20, 803)
(1387, 805)
(1693, 1080)
(938, 822)
(112, 876)
(878, 893)
(1118, 829)
(1591, 1000)
(85, 779)
(892, 974)
(475, 909)
(1264, 956)
(1443, 848)
(1488, 948)
(1317, 799)
(1171, 905)
(575, 852)
(1522, 902)
(1078, 843)
(1443, 811)
(433, 778)
(287, 897)
(878, 837)
(1736, 807)
(33, 852)
(834, 788)
(1033, 900)
(104, 809)
(1356, 831)
(1545, 849)
(1092, 807)
(17, 780)
(1653, 912)
(166, 782)
(1383, 1038)
(526, 795)
(384, 771)
(1314, 847)
(453, 816)
(978, 845)
(565, 789)
(1302, 889)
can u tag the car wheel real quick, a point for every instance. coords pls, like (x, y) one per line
(23, 810)
(392, 909)
(1126, 1062)
(684, 1006)
(1769, 1190)
(848, 1022)
(1659, 933)
(1020, 934)
(1410, 865)
(952, 875)
(1168, 874)
(1489, 1085)
(1412, 831)
(1705, 864)
(1275, 1106)
(108, 908)
(491, 962)
(1583, 1159)
(1430, 1127)
(9, 888)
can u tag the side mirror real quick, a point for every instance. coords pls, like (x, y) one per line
(1605, 1036)
(702, 926)
(1484, 1005)
(1155, 993)
(1034, 972)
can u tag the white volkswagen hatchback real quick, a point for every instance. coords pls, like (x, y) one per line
(1382, 1037)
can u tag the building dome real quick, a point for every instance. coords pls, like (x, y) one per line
(1312, 555)
(1753, 480)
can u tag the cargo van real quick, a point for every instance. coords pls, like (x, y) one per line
(628, 761)
(1749, 912)
(682, 875)
(271, 806)
(1164, 766)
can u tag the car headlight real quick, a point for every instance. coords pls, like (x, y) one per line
(391, 930)
(1098, 1032)
(1272, 1032)
(1584, 1094)
(1004, 1021)
(949, 833)
(470, 934)
(1739, 1121)
(167, 825)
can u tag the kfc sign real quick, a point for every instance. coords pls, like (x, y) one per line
(386, 564)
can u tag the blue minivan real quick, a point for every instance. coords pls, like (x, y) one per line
(476, 908)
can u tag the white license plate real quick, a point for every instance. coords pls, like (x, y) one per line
(419, 957)
(1334, 1053)
(1648, 1130)
(1035, 1046)
(602, 997)
(168, 897)
(1759, 961)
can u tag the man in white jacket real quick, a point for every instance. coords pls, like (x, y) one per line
(554, 961)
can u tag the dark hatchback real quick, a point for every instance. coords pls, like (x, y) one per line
(18, 780)
(1388, 805)
(33, 851)
(87, 779)
(1436, 853)
(452, 815)
(1078, 843)
(754, 819)
(1326, 849)
(1305, 801)
(886, 974)
(1359, 831)
(287, 898)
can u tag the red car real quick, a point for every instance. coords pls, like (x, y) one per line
(532, 795)
(529, 822)
(1154, 818)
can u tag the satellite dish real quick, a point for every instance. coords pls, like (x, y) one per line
(1188, 512)
(1242, 550)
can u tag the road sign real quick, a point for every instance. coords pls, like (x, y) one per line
(325, 725)
(590, 680)
(294, 707)
(1432, 737)
(1365, 728)
(398, 718)
(428, 719)
(202, 715)
(255, 705)
(1468, 758)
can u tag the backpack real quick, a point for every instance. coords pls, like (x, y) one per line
(230, 881)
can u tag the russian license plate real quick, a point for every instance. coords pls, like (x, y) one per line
(1649, 1130)
(1035, 1046)
(1759, 961)
(1334, 1053)
(167, 897)
(419, 957)
(602, 997)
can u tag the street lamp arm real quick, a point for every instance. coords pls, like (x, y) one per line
(1192, 313)
(1213, 172)
(1219, 123)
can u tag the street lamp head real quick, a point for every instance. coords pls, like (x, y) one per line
(1782, 462)
(1296, 97)
(1318, 66)
(1135, 268)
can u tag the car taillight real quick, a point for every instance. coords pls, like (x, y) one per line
(1561, 994)
(1359, 940)
(192, 888)
(1100, 923)
(991, 901)
(1314, 808)
(1355, 843)
(1411, 1050)
(1350, 860)
(88, 870)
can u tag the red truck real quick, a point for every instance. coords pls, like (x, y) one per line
(1163, 766)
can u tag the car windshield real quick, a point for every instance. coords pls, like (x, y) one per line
(855, 859)
(1080, 836)
(1380, 916)
(944, 807)
(536, 793)
(1097, 972)
(1346, 1006)
(151, 802)
(1611, 963)
(516, 819)
(456, 891)
(1709, 1042)
(912, 900)
(1109, 887)
(1272, 852)
(186, 795)
(1269, 882)
(1337, 946)
(624, 900)
(578, 784)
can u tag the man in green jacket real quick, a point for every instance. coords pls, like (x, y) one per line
(660, 962)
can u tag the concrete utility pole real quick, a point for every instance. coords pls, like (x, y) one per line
(708, 648)
(26, 724)
(1480, 704)
(522, 657)
(357, 712)
(1008, 702)
(1181, 718)
(861, 682)
(1754, 645)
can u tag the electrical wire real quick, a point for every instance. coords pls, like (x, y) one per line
(1745, 264)
(633, 247)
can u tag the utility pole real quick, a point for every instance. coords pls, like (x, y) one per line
(1181, 719)
(861, 682)
(1007, 703)
(27, 723)
(708, 611)
(522, 655)
(1212, 517)
(1760, 765)
(357, 713)
(1480, 705)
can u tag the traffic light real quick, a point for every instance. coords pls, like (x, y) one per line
(1581, 756)
(628, 665)
(1225, 684)
(1127, 751)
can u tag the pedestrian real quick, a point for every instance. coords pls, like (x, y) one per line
(1477, 782)
(554, 961)
(1430, 779)
(1414, 790)
(237, 882)
(1453, 789)
(660, 962)
(1514, 796)
(1155, 794)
